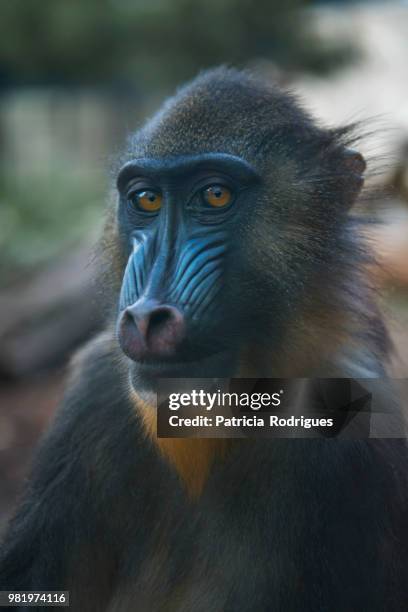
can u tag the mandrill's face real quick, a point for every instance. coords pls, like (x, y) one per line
(230, 209)
(181, 219)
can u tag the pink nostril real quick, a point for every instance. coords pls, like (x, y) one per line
(165, 329)
(149, 329)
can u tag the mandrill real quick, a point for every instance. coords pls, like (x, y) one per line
(232, 252)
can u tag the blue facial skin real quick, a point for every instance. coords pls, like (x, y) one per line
(180, 256)
(196, 269)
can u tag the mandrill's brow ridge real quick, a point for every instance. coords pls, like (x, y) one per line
(232, 165)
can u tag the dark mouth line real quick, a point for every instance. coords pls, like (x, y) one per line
(176, 364)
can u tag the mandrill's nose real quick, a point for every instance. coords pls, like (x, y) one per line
(150, 330)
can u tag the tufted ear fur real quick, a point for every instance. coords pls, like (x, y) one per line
(354, 168)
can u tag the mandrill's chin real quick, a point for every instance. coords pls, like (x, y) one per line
(146, 375)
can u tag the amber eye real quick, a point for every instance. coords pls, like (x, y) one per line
(148, 200)
(217, 196)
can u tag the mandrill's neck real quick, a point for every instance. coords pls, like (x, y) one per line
(192, 458)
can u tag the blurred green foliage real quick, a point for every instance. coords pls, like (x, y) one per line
(41, 218)
(151, 41)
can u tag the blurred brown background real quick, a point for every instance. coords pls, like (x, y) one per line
(76, 77)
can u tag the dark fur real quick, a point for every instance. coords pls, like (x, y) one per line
(281, 525)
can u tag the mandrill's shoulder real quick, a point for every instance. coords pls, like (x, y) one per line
(97, 380)
(94, 356)
(96, 425)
